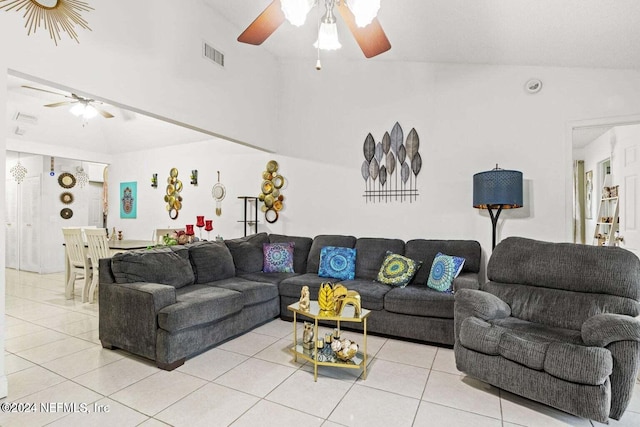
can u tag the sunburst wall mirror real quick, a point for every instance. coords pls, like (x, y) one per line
(53, 15)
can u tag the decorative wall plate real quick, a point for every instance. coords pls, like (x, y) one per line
(272, 166)
(66, 180)
(66, 213)
(66, 198)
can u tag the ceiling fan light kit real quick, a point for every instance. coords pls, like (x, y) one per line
(295, 11)
(358, 15)
(364, 10)
(84, 110)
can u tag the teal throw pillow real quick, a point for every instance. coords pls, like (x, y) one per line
(278, 257)
(397, 270)
(444, 269)
(337, 263)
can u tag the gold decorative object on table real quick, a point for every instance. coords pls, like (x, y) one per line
(304, 298)
(345, 350)
(307, 336)
(325, 299)
(55, 15)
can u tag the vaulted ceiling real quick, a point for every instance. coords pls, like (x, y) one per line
(565, 33)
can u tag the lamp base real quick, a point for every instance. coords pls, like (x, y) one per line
(494, 221)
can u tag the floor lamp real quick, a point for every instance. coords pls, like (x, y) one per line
(497, 189)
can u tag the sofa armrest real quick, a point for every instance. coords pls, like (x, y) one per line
(603, 329)
(466, 281)
(128, 315)
(620, 334)
(480, 304)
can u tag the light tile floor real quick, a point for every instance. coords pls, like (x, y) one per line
(53, 356)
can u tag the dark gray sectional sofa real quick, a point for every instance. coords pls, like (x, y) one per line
(169, 303)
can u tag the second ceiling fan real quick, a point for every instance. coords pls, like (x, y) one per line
(81, 106)
(359, 15)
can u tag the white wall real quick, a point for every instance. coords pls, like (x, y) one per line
(240, 172)
(468, 118)
(3, 137)
(147, 55)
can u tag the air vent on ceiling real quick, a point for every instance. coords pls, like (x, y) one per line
(20, 131)
(213, 54)
(25, 118)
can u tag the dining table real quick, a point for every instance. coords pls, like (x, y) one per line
(115, 246)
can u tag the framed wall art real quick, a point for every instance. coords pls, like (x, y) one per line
(128, 199)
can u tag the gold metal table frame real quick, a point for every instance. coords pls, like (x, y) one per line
(359, 361)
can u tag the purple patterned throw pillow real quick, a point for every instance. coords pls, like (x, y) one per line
(278, 257)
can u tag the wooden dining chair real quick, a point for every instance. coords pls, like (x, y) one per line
(98, 248)
(79, 266)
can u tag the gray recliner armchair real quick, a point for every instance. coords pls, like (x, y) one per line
(556, 323)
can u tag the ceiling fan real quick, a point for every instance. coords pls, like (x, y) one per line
(81, 106)
(355, 13)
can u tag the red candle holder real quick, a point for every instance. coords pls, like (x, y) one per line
(208, 227)
(189, 231)
(200, 224)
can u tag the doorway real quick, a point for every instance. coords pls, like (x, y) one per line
(610, 159)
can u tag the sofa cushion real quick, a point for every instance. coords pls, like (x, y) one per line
(211, 261)
(538, 347)
(371, 254)
(165, 265)
(579, 364)
(252, 292)
(278, 257)
(444, 270)
(247, 252)
(197, 305)
(419, 301)
(300, 250)
(274, 278)
(319, 242)
(426, 250)
(337, 263)
(291, 287)
(371, 292)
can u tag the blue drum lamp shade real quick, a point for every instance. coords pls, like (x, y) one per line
(497, 189)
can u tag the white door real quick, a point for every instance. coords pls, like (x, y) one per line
(11, 228)
(626, 171)
(95, 204)
(29, 224)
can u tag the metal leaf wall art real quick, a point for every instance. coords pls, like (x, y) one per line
(390, 168)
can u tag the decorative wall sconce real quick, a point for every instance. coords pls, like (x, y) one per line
(55, 15)
(194, 177)
(154, 180)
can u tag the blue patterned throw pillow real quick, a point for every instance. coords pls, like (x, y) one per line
(337, 263)
(278, 257)
(397, 270)
(444, 269)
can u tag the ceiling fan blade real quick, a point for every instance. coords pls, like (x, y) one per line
(48, 91)
(371, 39)
(103, 113)
(264, 25)
(59, 104)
